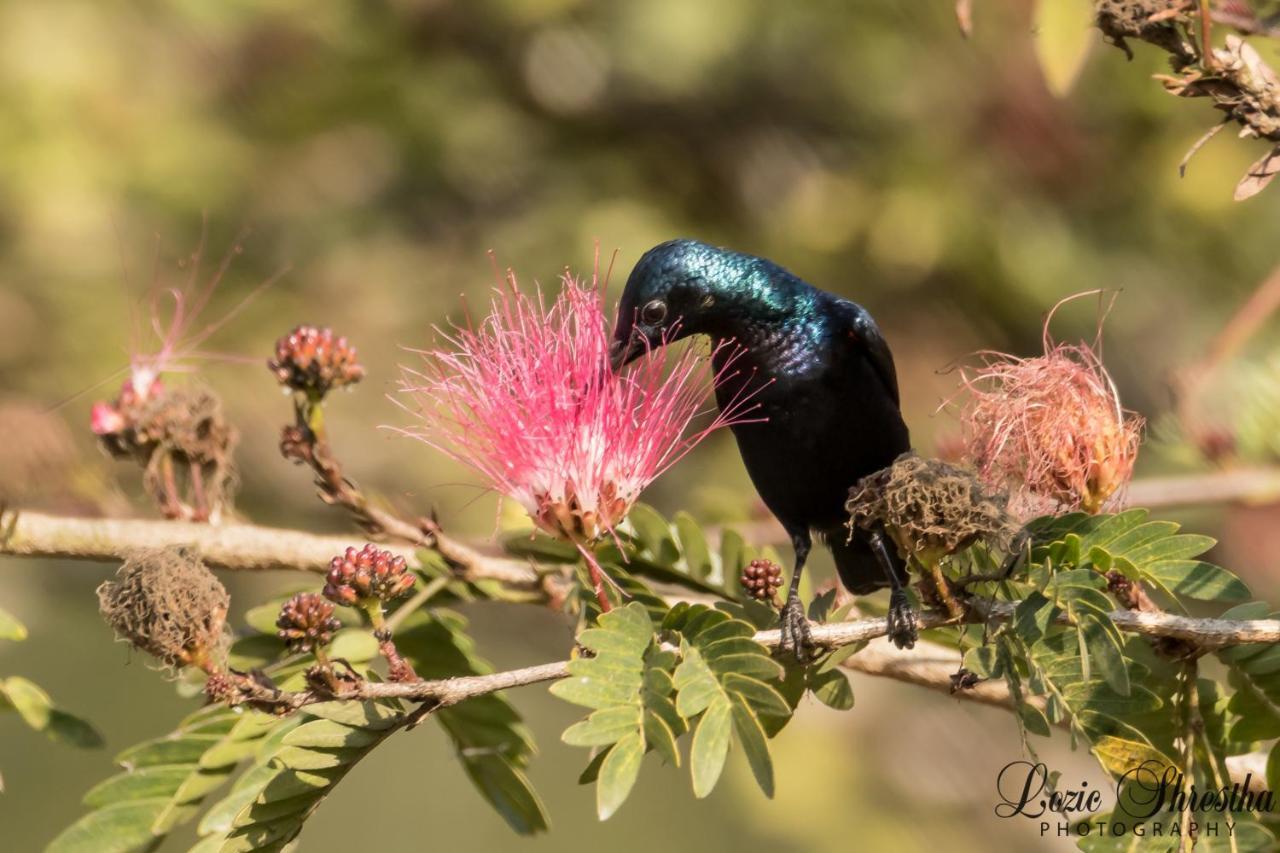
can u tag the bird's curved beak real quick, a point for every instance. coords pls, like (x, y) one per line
(626, 347)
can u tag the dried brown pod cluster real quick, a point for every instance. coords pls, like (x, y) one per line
(369, 574)
(183, 441)
(314, 361)
(168, 604)
(929, 508)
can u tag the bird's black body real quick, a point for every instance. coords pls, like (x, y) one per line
(818, 367)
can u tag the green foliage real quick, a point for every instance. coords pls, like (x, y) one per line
(286, 766)
(295, 771)
(488, 735)
(1151, 551)
(702, 673)
(1254, 673)
(35, 707)
(627, 683)
(1127, 700)
(164, 781)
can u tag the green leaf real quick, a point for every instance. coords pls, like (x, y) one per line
(1106, 648)
(10, 627)
(697, 556)
(326, 733)
(70, 729)
(660, 736)
(488, 736)
(710, 746)
(148, 783)
(603, 727)
(754, 746)
(1197, 579)
(218, 820)
(763, 697)
(354, 645)
(119, 828)
(540, 547)
(1119, 756)
(1032, 617)
(832, 689)
(653, 532)
(32, 704)
(38, 711)
(618, 774)
(501, 782)
(696, 684)
(167, 750)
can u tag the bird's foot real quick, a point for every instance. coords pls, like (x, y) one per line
(903, 630)
(796, 637)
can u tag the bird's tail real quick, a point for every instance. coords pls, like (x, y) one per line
(859, 570)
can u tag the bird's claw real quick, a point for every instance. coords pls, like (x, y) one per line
(796, 637)
(903, 630)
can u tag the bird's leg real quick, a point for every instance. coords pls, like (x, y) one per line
(796, 637)
(902, 618)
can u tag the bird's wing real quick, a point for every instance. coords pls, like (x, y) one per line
(862, 333)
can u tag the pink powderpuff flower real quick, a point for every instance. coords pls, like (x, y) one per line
(1050, 427)
(527, 400)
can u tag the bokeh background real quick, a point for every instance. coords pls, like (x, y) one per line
(379, 150)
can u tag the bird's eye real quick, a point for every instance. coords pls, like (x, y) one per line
(653, 312)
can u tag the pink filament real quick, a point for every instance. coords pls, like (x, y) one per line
(527, 399)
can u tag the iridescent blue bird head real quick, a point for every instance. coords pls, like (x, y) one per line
(685, 287)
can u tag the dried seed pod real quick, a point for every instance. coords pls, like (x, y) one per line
(306, 621)
(168, 604)
(929, 508)
(367, 575)
(315, 361)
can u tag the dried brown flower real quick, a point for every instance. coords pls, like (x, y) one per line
(928, 507)
(167, 603)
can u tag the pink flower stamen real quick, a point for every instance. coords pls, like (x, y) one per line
(1051, 427)
(528, 401)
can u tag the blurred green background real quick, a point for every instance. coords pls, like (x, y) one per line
(380, 149)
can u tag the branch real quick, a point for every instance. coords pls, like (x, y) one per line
(1234, 76)
(1233, 486)
(235, 547)
(931, 666)
(245, 547)
(1207, 633)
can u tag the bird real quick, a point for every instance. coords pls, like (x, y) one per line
(823, 380)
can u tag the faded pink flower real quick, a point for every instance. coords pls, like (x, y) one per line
(1050, 427)
(105, 419)
(527, 399)
(167, 340)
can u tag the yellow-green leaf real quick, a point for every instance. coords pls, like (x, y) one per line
(618, 774)
(710, 746)
(1064, 36)
(1119, 755)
